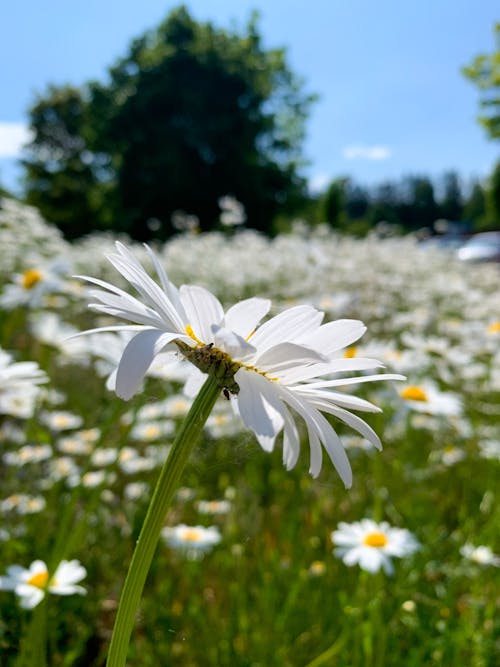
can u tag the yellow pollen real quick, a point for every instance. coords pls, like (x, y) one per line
(191, 535)
(350, 352)
(493, 328)
(31, 277)
(375, 540)
(151, 431)
(414, 394)
(191, 334)
(39, 579)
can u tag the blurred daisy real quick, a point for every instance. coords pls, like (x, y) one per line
(23, 504)
(31, 584)
(194, 541)
(19, 386)
(481, 555)
(32, 286)
(371, 545)
(269, 369)
(149, 431)
(489, 449)
(28, 454)
(60, 420)
(427, 398)
(216, 507)
(448, 456)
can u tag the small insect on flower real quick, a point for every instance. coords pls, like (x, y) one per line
(31, 584)
(371, 545)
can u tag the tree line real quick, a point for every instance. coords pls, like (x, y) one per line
(411, 204)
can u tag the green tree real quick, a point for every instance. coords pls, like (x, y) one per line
(451, 204)
(418, 206)
(61, 175)
(475, 205)
(484, 71)
(492, 200)
(189, 114)
(333, 202)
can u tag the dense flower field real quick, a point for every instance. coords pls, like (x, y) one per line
(257, 565)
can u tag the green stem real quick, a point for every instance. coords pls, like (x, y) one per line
(172, 469)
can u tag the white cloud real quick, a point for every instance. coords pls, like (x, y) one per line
(13, 136)
(360, 152)
(318, 182)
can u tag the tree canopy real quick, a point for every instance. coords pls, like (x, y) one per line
(190, 113)
(484, 71)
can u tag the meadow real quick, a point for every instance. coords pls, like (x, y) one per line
(264, 587)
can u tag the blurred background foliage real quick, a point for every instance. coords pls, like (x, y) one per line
(193, 112)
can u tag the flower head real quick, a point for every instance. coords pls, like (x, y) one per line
(273, 371)
(482, 555)
(195, 541)
(371, 545)
(31, 584)
(429, 399)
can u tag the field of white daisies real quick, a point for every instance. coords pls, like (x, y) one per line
(339, 508)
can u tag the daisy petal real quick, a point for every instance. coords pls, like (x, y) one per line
(243, 317)
(202, 310)
(137, 358)
(259, 407)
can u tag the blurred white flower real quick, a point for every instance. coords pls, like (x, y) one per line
(19, 386)
(194, 541)
(427, 398)
(372, 545)
(31, 584)
(448, 456)
(481, 555)
(215, 507)
(35, 284)
(232, 212)
(61, 420)
(149, 431)
(28, 454)
(268, 369)
(22, 503)
(489, 449)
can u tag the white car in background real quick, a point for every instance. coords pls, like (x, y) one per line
(483, 247)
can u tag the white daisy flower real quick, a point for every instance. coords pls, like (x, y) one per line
(21, 503)
(19, 386)
(481, 555)
(270, 370)
(61, 420)
(429, 399)
(371, 545)
(213, 506)
(31, 584)
(195, 541)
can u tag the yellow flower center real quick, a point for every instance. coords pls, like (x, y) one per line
(31, 277)
(350, 352)
(39, 579)
(191, 334)
(375, 540)
(191, 535)
(414, 394)
(151, 431)
(215, 362)
(493, 328)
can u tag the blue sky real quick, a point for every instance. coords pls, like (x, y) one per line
(392, 98)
